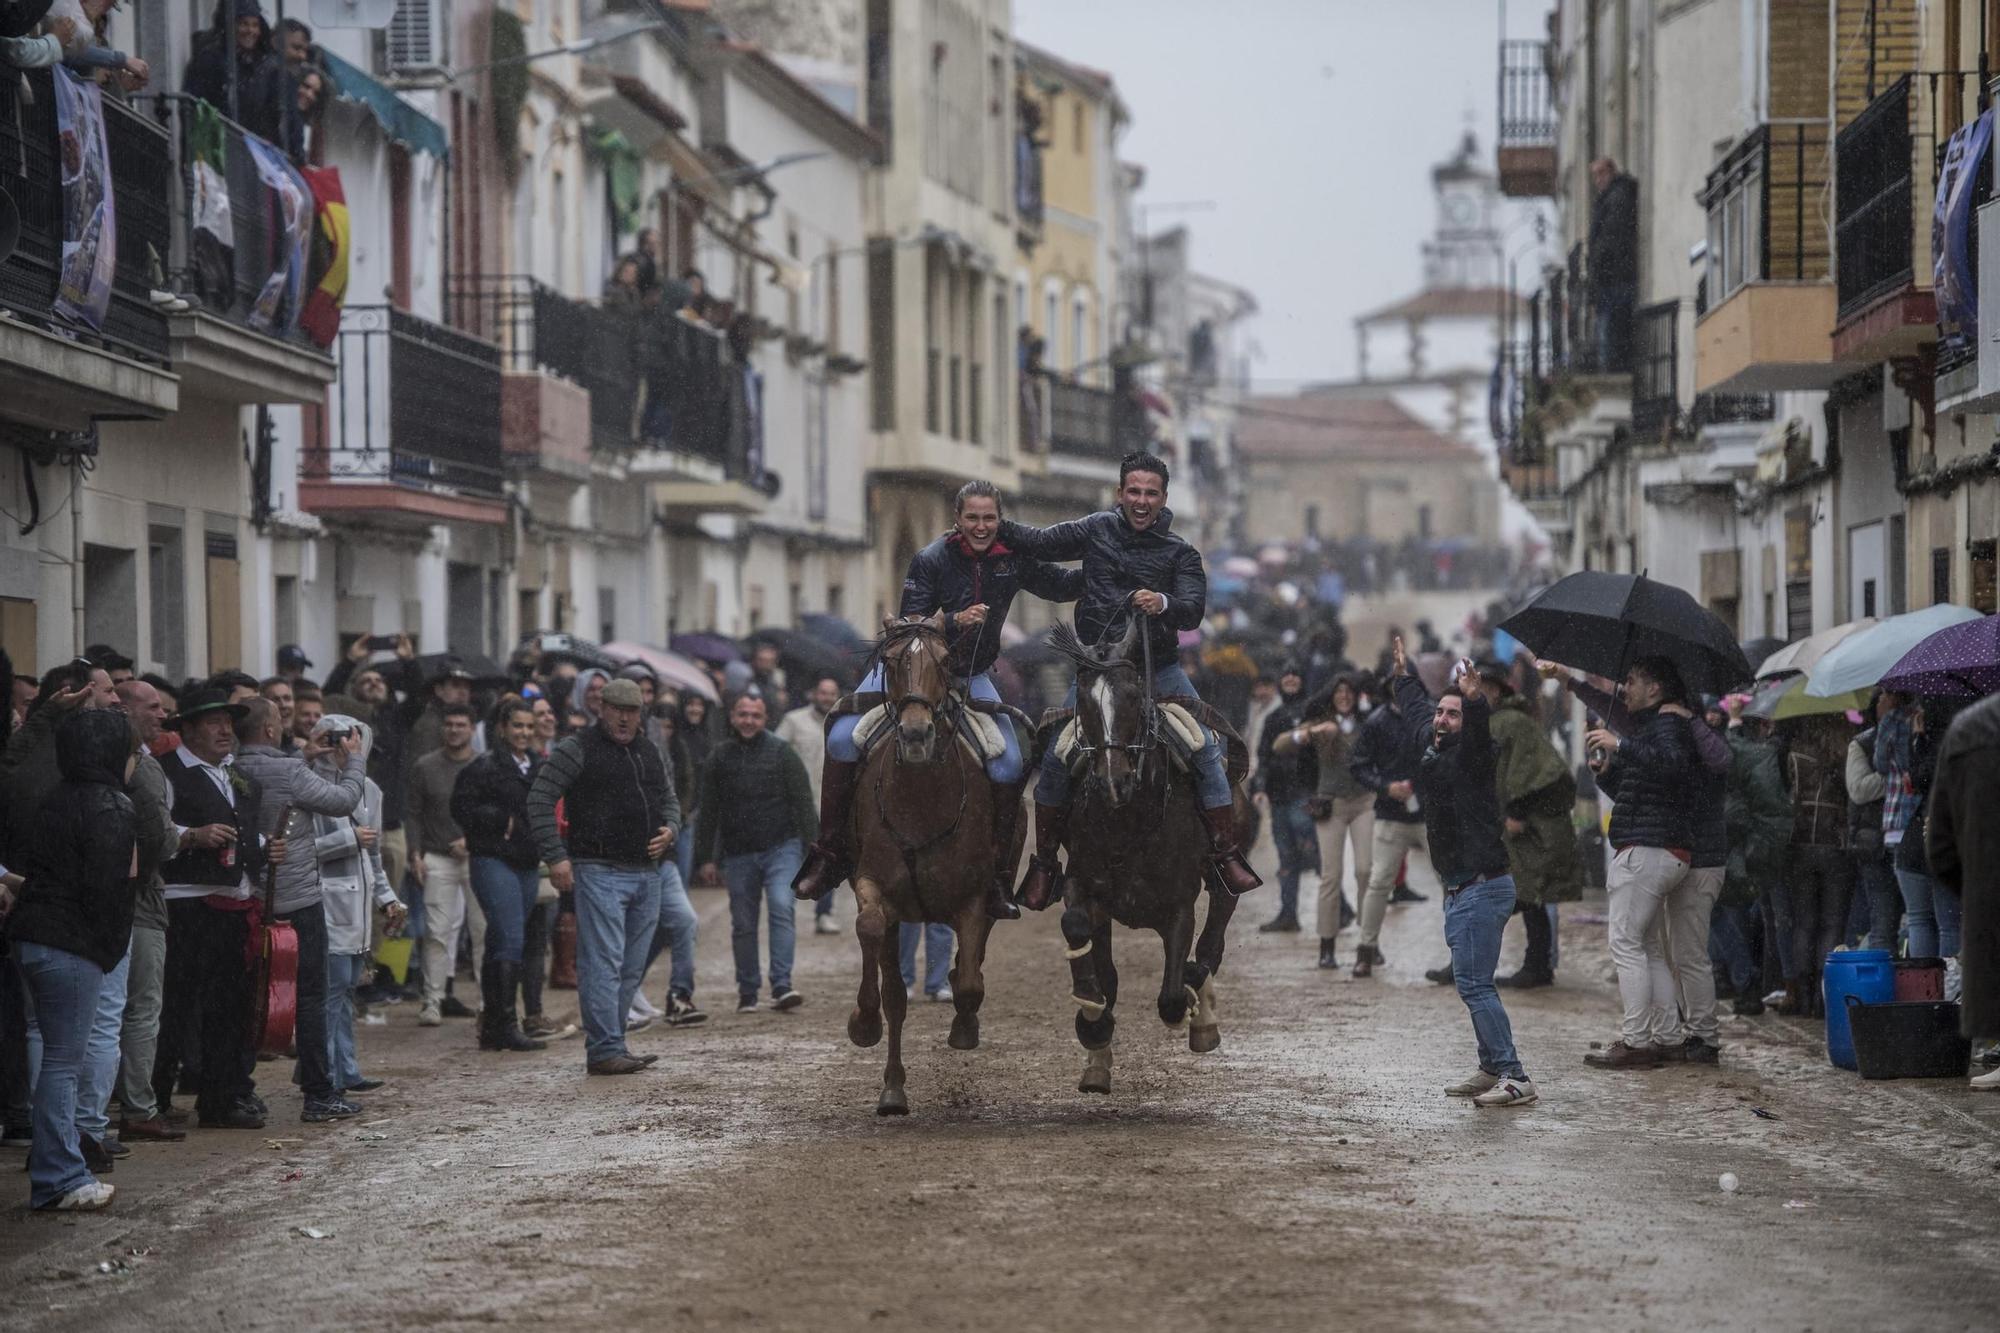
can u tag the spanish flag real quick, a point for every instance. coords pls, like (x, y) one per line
(326, 265)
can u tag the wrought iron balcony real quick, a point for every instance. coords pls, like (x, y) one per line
(413, 424)
(32, 165)
(1655, 369)
(1528, 121)
(1874, 184)
(1082, 421)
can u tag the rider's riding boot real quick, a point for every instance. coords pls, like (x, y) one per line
(1225, 857)
(1043, 884)
(826, 864)
(1006, 814)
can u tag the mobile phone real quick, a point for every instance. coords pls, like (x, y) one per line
(381, 643)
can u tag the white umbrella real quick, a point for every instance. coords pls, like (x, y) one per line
(671, 668)
(1861, 660)
(1803, 655)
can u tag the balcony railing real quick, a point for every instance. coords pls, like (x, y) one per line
(232, 287)
(1763, 212)
(1527, 96)
(29, 173)
(1722, 409)
(1082, 421)
(654, 379)
(1655, 369)
(417, 405)
(1874, 176)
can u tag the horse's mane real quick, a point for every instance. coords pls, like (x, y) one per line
(1066, 643)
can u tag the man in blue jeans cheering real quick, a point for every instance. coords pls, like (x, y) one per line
(622, 816)
(1461, 802)
(1132, 565)
(758, 816)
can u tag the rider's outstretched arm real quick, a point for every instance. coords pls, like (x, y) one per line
(1051, 583)
(1058, 541)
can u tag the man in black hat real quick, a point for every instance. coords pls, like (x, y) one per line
(207, 884)
(450, 685)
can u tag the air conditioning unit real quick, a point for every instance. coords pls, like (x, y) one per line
(415, 39)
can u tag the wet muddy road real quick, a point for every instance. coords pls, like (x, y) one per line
(1309, 1174)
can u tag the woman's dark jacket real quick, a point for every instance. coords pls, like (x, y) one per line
(949, 576)
(78, 861)
(490, 793)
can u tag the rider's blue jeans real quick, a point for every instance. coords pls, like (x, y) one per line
(1006, 769)
(1211, 781)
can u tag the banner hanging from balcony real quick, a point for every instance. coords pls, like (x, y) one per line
(1954, 273)
(214, 243)
(326, 266)
(276, 309)
(90, 225)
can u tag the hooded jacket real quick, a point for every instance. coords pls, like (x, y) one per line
(259, 80)
(285, 782)
(351, 877)
(949, 576)
(490, 806)
(78, 858)
(1119, 560)
(1758, 819)
(1535, 787)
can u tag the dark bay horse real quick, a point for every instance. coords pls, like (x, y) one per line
(1137, 855)
(923, 834)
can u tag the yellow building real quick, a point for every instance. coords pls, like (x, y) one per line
(1069, 193)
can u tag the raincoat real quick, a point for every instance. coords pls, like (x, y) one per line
(1535, 787)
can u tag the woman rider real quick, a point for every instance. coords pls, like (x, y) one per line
(972, 577)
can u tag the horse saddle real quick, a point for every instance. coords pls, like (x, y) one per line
(976, 730)
(1183, 725)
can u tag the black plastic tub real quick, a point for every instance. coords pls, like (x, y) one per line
(1919, 1040)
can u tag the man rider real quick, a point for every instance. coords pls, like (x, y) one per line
(972, 576)
(1131, 562)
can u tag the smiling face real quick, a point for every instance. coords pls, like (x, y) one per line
(1450, 715)
(456, 734)
(1141, 497)
(746, 719)
(249, 31)
(979, 521)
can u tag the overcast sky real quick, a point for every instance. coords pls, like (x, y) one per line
(1312, 125)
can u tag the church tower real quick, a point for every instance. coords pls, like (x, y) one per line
(1463, 250)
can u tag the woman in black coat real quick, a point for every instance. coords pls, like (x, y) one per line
(489, 803)
(72, 926)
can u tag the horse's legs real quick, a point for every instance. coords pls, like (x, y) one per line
(1204, 1029)
(871, 925)
(896, 1000)
(1214, 931)
(968, 978)
(1096, 1034)
(1175, 998)
(1085, 987)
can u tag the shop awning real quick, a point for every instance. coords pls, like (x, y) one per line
(398, 119)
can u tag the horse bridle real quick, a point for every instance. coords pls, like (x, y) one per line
(953, 728)
(1149, 730)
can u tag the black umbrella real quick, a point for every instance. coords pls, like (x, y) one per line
(1602, 623)
(480, 667)
(1756, 650)
(804, 656)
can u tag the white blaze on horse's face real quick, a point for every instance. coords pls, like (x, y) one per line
(1120, 770)
(917, 679)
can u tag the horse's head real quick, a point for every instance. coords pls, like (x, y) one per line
(916, 675)
(1113, 712)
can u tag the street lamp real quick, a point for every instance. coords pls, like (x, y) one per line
(575, 48)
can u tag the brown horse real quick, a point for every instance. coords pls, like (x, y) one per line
(1139, 859)
(923, 834)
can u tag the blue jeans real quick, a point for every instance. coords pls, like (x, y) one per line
(506, 894)
(1930, 915)
(1474, 918)
(1875, 880)
(1006, 769)
(1297, 841)
(62, 992)
(676, 935)
(765, 878)
(938, 941)
(684, 849)
(617, 910)
(344, 971)
(1211, 779)
(100, 1060)
(1729, 948)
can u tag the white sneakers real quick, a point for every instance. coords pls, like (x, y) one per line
(1987, 1082)
(84, 1198)
(826, 925)
(942, 995)
(429, 1016)
(1480, 1082)
(1508, 1092)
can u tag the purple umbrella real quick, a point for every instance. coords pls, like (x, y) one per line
(706, 648)
(1958, 662)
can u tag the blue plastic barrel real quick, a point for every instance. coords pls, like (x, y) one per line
(1869, 975)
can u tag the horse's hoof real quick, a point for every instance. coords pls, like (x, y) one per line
(894, 1102)
(964, 1034)
(1202, 1040)
(1096, 1073)
(1092, 1009)
(864, 1030)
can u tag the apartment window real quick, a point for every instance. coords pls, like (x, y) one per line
(465, 612)
(882, 335)
(607, 615)
(1735, 230)
(1079, 333)
(831, 334)
(1077, 126)
(1312, 520)
(1899, 567)
(1052, 324)
(1003, 440)
(791, 293)
(285, 608)
(1940, 574)
(166, 580)
(110, 596)
(836, 599)
(558, 228)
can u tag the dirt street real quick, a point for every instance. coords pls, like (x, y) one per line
(1308, 1174)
